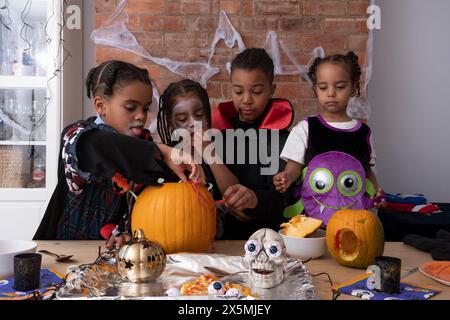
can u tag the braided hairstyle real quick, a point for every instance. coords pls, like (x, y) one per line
(167, 101)
(254, 58)
(103, 79)
(350, 61)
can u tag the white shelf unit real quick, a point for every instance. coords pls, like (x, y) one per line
(22, 208)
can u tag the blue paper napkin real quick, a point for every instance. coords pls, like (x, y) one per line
(358, 287)
(48, 280)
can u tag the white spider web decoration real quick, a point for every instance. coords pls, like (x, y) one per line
(115, 33)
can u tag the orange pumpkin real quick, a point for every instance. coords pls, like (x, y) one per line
(355, 237)
(181, 217)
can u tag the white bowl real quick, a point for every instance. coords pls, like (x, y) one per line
(313, 246)
(8, 249)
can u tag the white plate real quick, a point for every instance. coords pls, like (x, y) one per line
(437, 270)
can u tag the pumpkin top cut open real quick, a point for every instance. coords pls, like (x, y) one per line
(300, 226)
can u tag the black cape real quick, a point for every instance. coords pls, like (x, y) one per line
(103, 153)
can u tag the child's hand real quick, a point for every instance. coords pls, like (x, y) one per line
(178, 162)
(280, 181)
(238, 198)
(117, 242)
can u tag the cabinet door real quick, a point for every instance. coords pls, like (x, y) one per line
(30, 103)
(29, 93)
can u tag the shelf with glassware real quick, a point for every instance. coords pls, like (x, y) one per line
(22, 137)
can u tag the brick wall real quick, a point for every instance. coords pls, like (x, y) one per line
(184, 29)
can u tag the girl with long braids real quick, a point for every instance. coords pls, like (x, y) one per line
(86, 203)
(335, 80)
(181, 105)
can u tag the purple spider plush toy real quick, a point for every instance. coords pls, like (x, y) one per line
(333, 181)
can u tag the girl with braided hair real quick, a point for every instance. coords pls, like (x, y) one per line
(335, 80)
(181, 105)
(87, 204)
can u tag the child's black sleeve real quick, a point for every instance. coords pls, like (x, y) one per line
(103, 153)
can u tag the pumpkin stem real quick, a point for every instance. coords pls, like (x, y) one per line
(139, 234)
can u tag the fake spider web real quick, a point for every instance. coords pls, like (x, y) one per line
(115, 33)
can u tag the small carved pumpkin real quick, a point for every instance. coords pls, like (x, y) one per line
(141, 260)
(355, 237)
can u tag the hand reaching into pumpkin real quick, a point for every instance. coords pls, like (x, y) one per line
(178, 162)
(238, 198)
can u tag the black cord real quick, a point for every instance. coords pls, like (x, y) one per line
(37, 295)
(102, 256)
(336, 294)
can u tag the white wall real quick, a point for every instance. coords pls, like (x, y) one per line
(88, 51)
(72, 77)
(410, 97)
(82, 50)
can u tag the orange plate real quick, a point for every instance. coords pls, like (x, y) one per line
(438, 270)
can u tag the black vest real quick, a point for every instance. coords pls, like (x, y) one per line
(323, 138)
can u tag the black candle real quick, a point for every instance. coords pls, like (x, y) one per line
(27, 271)
(390, 273)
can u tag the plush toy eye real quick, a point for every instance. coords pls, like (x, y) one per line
(172, 292)
(216, 287)
(233, 292)
(273, 249)
(350, 183)
(252, 247)
(321, 180)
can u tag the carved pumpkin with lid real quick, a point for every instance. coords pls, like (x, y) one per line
(355, 237)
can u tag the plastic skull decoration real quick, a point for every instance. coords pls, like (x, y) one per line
(265, 254)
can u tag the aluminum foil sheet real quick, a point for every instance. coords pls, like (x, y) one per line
(101, 281)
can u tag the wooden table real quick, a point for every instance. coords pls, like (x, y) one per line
(87, 252)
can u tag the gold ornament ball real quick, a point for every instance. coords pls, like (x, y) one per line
(141, 260)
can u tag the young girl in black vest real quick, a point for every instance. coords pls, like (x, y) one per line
(335, 80)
